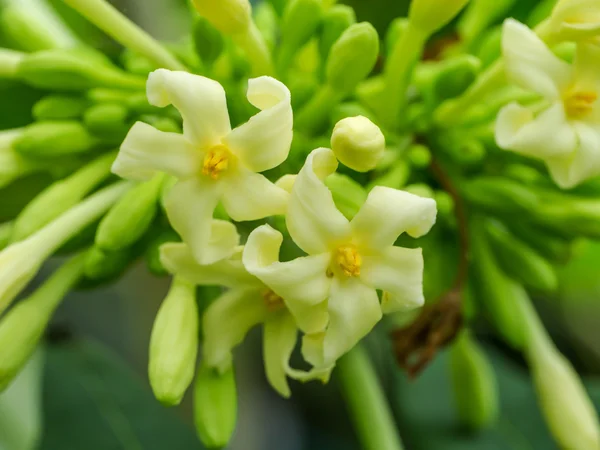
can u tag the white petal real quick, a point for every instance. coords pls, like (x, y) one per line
(576, 19)
(530, 64)
(584, 162)
(313, 220)
(399, 272)
(200, 101)
(302, 283)
(279, 338)
(546, 135)
(146, 151)
(264, 141)
(353, 310)
(226, 322)
(388, 213)
(178, 260)
(190, 205)
(251, 196)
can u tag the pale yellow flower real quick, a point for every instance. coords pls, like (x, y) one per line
(212, 162)
(576, 19)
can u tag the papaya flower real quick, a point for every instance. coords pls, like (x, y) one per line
(331, 292)
(565, 134)
(211, 162)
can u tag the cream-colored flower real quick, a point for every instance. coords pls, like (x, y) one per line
(247, 303)
(212, 162)
(576, 19)
(346, 262)
(566, 133)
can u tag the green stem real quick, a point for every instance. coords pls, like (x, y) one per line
(398, 73)
(9, 62)
(316, 112)
(123, 30)
(254, 46)
(368, 406)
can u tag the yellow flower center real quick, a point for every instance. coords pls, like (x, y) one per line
(216, 161)
(348, 260)
(273, 301)
(579, 104)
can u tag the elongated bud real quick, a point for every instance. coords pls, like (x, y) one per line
(108, 122)
(299, 24)
(215, 406)
(59, 107)
(455, 76)
(480, 14)
(348, 195)
(20, 262)
(554, 247)
(497, 295)
(335, 21)
(208, 41)
(358, 143)
(489, 48)
(60, 197)
(519, 260)
(352, 57)
(431, 15)
(5, 233)
(174, 343)
(474, 383)
(23, 326)
(267, 23)
(73, 70)
(54, 139)
(395, 30)
(227, 16)
(100, 265)
(567, 408)
(12, 164)
(419, 156)
(500, 194)
(131, 216)
(396, 177)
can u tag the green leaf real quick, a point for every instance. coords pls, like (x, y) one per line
(426, 412)
(93, 401)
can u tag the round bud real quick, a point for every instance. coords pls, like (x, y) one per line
(358, 143)
(227, 16)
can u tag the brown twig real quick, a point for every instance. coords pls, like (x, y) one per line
(416, 345)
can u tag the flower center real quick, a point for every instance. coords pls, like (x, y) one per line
(216, 161)
(348, 260)
(579, 104)
(273, 301)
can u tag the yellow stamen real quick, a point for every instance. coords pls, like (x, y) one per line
(580, 103)
(216, 161)
(348, 259)
(273, 301)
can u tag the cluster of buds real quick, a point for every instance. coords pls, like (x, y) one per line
(286, 169)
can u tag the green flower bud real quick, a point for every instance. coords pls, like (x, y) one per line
(73, 70)
(13, 165)
(152, 254)
(358, 143)
(100, 265)
(431, 15)
(137, 64)
(569, 216)
(131, 216)
(215, 406)
(9, 62)
(348, 195)
(551, 246)
(53, 139)
(420, 189)
(499, 297)
(227, 16)
(474, 383)
(108, 121)
(59, 107)
(208, 42)
(303, 89)
(489, 48)
(466, 152)
(60, 197)
(5, 233)
(445, 204)
(396, 29)
(335, 21)
(279, 6)
(419, 156)
(479, 15)
(371, 93)
(23, 326)
(352, 57)
(540, 12)
(519, 260)
(455, 76)
(395, 178)
(300, 22)
(350, 109)
(267, 22)
(500, 194)
(174, 343)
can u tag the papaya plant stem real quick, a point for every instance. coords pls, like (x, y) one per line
(119, 27)
(366, 402)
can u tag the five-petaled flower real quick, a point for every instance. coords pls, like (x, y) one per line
(566, 133)
(247, 303)
(212, 162)
(332, 291)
